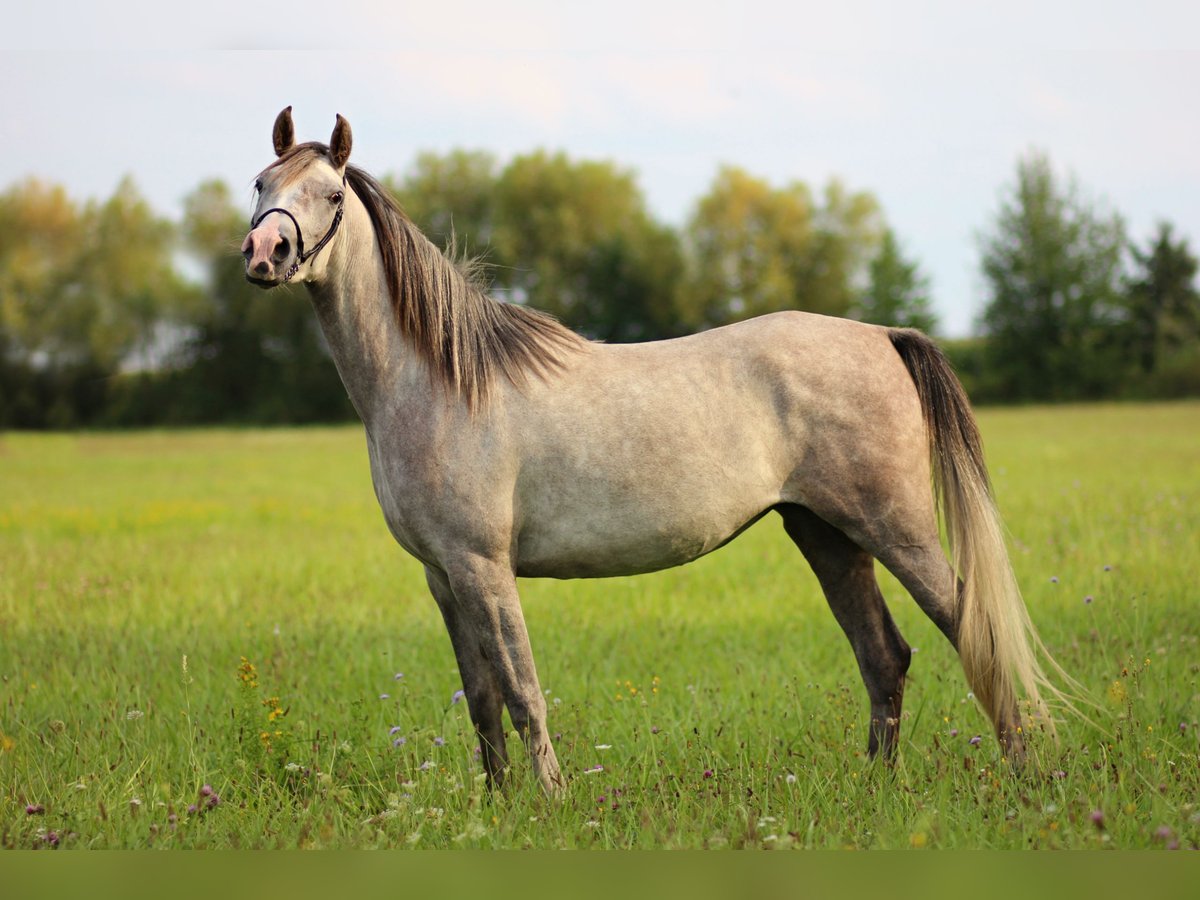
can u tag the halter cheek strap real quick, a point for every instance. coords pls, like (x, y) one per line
(301, 256)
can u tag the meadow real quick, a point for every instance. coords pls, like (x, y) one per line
(209, 640)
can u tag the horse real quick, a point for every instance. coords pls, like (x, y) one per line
(503, 444)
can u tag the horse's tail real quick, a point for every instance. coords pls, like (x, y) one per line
(996, 640)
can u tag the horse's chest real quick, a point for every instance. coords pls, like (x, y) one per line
(401, 511)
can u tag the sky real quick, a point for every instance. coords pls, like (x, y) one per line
(927, 105)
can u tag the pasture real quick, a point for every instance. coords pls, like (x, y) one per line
(209, 640)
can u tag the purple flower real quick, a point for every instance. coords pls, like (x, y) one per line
(975, 741)
(398, 676)
(1054, 579)
(213, 801)
(439, 742)
(601, 799)
(400, 741)
(427, 765)
(192, 809)
(654, 729)
(206, 791)
(1108, 568)
(1059, 773)
(594, 769)
(953, 732)
(34, 809)
(1087, 599)
(1098, 818)
(1163, 833)
(394, 729)
(458, 695)
(1183, 727)
(708, 773)
(51, 838)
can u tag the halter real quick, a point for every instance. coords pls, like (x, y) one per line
(301, 256)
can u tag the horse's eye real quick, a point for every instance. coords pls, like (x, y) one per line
(335, 197)
(258, 185)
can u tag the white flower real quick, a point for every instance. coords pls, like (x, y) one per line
(134, 714)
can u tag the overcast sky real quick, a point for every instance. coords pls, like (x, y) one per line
(926, 104)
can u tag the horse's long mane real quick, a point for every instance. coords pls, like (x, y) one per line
(466, 338)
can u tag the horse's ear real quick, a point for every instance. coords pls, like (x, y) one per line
(339, 144)
(285, 134)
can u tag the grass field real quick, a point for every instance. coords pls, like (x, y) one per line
(208, 639)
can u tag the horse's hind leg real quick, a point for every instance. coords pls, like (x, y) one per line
(481, 687)
(847, 576)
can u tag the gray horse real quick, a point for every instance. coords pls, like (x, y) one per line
(502, 444)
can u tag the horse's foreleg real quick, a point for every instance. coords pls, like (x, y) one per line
(847, 576)
(481, 687)
(487, 596)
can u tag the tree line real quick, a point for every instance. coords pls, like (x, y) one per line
(112, 315)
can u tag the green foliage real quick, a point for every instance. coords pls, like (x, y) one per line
(720, 699)
(574, 238)
(757, 249)
(452, 199)
(1053, 267)
(898, 294)
(1163, 302)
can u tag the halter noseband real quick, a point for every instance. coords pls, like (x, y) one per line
(301, 256)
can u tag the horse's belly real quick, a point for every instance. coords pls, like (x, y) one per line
(615, 541)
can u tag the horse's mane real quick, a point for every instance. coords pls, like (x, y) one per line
(466, 338)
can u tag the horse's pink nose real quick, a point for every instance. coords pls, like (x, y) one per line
(264, 248)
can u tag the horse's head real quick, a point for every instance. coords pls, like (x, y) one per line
(300, 200)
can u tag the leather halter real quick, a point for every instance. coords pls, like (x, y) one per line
(301, 256)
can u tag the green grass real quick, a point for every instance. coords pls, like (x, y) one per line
(721, 699)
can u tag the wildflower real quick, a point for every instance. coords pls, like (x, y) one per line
(34, 809)
(398, 676)
(1183, 727)
(1054, 579)
(385, 696)
(654, 729)
(192, 809)
(213, 801)
(394, 729)
(456, 697)
(604, 746)
(594, 769)
(51, 838)
(1059, 773)
(1087, 599)
(206, 791)
(1097, 818)
(427, 765)
(439, 742)
(292, 767)
(975, 741)
(953, 732)
(708, 773)
(134, 714)
(1108, 568)
(790, 778)
(1163, 833)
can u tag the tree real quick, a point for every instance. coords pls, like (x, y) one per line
(82, 291)
(757, 249)
(898, 294)
(452, 196)
(575, 239)
(1163, 303)
(1053, 265)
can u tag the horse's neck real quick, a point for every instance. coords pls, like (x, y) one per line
(354, 307)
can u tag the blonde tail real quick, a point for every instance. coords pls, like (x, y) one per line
(997, 642)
